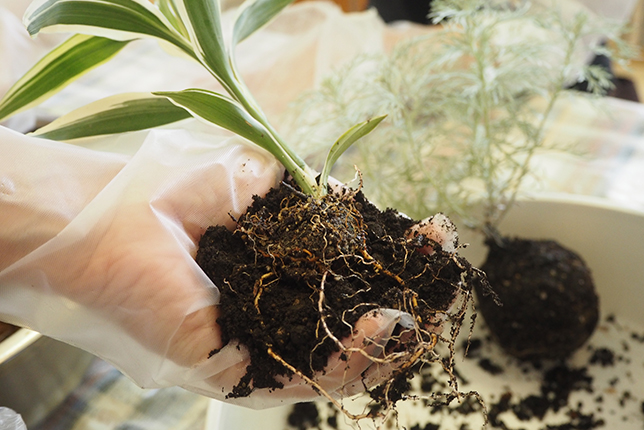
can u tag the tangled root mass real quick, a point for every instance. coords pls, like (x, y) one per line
(295, 264)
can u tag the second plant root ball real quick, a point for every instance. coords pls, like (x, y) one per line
(549, 306)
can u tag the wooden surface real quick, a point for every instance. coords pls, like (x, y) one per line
(348, 5)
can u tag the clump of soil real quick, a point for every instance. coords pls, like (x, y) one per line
(297, 273)
(549, 303)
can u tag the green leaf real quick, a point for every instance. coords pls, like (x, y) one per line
(231, 115)
(115, 19)
(222, 111)
(66, 63)
(203, 22)
(116, 114)
(169, 9)
(344, 142)
(254, 15)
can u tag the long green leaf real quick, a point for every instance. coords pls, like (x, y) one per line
(169, 10)
(66, 63)
(344, 142)
(222, 111)
(202, 19)
(254, 14)
(115, 19)
(231, 115)
(116, 114)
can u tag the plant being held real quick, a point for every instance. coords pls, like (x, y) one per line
(191, 27)
(330, 257)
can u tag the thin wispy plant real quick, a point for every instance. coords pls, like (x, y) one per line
(468, 102)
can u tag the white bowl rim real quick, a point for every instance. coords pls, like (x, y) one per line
(580, 199)
(17, 342)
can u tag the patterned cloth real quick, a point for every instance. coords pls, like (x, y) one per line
(607, 156)
(105, 399)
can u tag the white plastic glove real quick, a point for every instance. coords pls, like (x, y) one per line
(10, 420)
(98, 247)
(98, 251)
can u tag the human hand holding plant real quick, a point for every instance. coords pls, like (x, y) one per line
(107, 254)
(414, 283)
(129, 282)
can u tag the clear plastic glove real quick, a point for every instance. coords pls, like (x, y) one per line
(98, 247)
(10, 420)
(98, 251)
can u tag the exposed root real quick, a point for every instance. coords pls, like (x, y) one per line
(318, 388)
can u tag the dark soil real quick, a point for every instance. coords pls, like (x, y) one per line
(6, 330)
(294, 264)
(557, 384)
(549, 303)
(304, 416)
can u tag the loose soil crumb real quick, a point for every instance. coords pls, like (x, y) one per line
(305, 416)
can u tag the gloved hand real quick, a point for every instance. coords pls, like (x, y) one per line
(98, 251)
(98, 247)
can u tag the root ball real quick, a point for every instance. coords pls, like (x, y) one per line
(549, 303)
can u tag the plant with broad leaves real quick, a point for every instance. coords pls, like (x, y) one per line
(105, 27)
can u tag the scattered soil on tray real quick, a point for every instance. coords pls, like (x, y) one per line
(297, 272)
(549, 303)
(304, 416)
(594, 389)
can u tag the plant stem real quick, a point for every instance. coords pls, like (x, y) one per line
(481, 127)
(302, 174)
(538, 136)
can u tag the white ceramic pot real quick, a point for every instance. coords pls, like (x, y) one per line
(611, 241)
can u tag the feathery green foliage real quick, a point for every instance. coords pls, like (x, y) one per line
(462, 101)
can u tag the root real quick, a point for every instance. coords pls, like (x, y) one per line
(260, 287)
(420, 349)
(393, 359)
(317, 387)
(369, 260)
